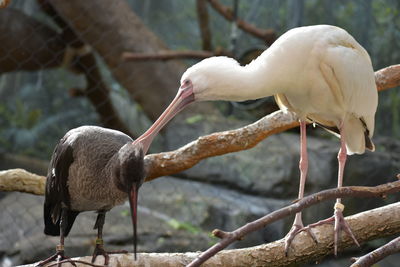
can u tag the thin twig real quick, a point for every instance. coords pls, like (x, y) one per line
(350, 191)
(169, 55)
(267, 35)
(378, 254)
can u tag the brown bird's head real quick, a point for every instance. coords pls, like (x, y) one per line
(129, 176)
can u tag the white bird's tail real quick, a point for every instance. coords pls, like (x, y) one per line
(356, 136)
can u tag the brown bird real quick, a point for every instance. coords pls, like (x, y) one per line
(92, 169)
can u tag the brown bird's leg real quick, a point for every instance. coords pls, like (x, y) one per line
(99, 248)
(337, 219)
(59, 255)
(303, 166)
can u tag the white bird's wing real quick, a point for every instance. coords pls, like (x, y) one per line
(347, 69)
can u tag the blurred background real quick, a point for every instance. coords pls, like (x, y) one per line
(61, 67)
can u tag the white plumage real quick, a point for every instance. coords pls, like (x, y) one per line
(319, 72)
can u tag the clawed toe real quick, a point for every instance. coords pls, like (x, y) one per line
(99, 250)
(339, 224)
(296, 229)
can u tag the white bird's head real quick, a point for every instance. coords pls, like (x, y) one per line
(210, 79)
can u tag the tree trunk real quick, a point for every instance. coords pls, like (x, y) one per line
(112, 28)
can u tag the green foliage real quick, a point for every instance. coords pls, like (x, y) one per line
(178, 225)
(194, 119)
(19, 115)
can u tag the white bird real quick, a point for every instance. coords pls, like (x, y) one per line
(319, 72)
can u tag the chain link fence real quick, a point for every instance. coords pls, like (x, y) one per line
(52, 81)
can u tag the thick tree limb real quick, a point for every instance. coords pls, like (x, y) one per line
(378, 254)
(28, 44)
(388, 77)
(167, 163)
(268, 35)
(83, 61)
(20, 180)
(124, 31)
(215, 144)
(369, 225)
(171, 162)
(240, 233)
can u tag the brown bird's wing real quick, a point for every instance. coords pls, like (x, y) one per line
(56, 192)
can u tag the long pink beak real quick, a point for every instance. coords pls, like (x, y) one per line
(183, 98)
(133, 195)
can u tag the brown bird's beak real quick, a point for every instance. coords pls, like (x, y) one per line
(184, 97)
(133, 196)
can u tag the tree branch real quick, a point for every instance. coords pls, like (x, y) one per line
(169, 55)
(19, 180)
(378, 254)
(268, 35)
(368, 225)
(215, 144)
(388, 77)
(167, 163)
(240, 233)
(83, 61)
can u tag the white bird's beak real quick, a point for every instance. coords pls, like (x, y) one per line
(184, 97)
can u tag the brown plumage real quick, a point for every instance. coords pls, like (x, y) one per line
(92, 169)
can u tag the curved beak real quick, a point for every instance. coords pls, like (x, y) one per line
(184, 97)
(133, 195)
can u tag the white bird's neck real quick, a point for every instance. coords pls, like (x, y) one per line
(233, 82)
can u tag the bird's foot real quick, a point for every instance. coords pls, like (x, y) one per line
(296, 229)
(99, 250)
(60, 258)
(339, 224)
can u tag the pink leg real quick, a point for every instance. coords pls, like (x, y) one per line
(337, 218)
(303, 166)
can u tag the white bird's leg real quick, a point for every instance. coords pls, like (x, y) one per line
(337, 219)
(303, 166)
(340, 222)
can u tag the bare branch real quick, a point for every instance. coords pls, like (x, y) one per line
(238, 234)
(369, 225)
(169, 55)
(378, 254)
(267, 35)
(215, 144)
(167, 163)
